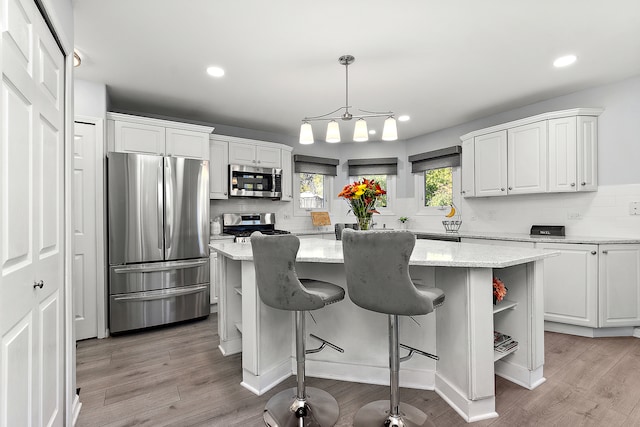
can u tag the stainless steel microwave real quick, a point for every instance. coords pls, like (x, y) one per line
(250, 181)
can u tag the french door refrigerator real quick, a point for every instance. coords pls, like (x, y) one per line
(158, 240)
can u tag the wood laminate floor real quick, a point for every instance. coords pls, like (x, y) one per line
(176, 376)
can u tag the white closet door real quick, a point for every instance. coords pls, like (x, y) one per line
(31, 219)
(84, 232)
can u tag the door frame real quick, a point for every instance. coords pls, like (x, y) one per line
(101, 270)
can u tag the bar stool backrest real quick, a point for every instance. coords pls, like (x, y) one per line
(274, 259)
(377, 269)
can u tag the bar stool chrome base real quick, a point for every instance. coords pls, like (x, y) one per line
(376, 414)
(322, 409)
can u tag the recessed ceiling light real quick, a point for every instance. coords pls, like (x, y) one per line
(564, 61)
(215, 71)
(372, 132)
(404, 118)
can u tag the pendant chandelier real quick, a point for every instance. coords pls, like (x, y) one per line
(360, 133)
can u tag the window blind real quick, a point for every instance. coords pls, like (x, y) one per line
(443, 158)
(379, 166)
(319, 165)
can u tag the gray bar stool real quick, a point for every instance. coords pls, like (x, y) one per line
(377, 268)
(279, 287)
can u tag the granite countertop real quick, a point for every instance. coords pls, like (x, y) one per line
(426, 253)
(521, 237)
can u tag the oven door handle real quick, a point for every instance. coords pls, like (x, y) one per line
(161, 294)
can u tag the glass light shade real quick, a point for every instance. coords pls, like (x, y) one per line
(306, 134)
(390, 131)
(333, 132)
(360, 132)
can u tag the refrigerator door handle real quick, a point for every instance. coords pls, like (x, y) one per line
(174, 265)
(160, 185)
(161, 294)
(168, 205)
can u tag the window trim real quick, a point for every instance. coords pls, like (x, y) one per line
(328, 191)
(436, 210)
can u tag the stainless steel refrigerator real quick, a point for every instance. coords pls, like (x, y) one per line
(158, 240)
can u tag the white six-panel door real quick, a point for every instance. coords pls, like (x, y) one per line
(84, 231)
(31, 219)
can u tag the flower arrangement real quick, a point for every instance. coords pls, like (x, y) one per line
(403, 219)
(499, 290)
(362, 196)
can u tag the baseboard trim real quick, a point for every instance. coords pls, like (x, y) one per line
(75, 409)
(228, 348)
(260, 384)
(585, 331)
(470, 410)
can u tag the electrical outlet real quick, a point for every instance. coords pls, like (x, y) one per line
(287, 216)
(634, 208)
(574, 215)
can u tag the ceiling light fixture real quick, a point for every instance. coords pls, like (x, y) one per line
(215, 71)
(389, 133)
(564, 61)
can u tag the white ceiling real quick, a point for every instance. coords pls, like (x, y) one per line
(441, 62)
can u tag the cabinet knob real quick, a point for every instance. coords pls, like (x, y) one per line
(573, 184)
(502, 189)
(39, 284)
(593, 252)
(605, 252)
(510, 188)
(225, 193)
(463, 192)
(583, 183)
(258, 161)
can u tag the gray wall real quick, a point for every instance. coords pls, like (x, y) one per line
(618, 133)
(90, 99)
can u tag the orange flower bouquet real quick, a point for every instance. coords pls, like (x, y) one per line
(362, 196)
(499, 290)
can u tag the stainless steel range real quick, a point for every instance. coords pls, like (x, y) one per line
(241, 225)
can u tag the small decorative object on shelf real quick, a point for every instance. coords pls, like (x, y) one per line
(452, 225)
(362, 196)
(503, 343)
(499, 290)
(403, 221)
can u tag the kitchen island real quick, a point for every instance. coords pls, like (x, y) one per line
(461, 332)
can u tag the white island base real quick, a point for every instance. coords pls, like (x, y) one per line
(460, 332)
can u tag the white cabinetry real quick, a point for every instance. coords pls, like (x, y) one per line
(135, 134)
(218, 169)
(287, 176)
(241, 153)
(551, 152)
(573, 154)
(491, 164)
(619, 285)
(571, 284)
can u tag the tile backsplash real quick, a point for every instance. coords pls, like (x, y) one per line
(601, 213)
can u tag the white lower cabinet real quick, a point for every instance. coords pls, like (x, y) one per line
(214, 284)
(619, 285)
(596, 286)
(571, 284)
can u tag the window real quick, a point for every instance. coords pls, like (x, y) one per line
(437, 189)
(311, 191)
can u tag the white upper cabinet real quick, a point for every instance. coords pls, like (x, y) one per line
(218, 169)
(573, 154)
(136, 134)
(491, 164)
(287, 176)
(241, 153)
(527, 159)
(551, 152)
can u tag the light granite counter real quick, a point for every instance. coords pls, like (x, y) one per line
(522, 237)
(460, 332)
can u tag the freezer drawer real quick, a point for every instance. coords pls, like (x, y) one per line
(144, 309)
(158, 275)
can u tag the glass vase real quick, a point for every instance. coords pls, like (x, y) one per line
(364, 223)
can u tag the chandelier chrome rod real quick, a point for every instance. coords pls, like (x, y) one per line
(364, 116)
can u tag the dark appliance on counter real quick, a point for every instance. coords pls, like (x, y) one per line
(250, 181)
(437, 236)
(547, 231)
(158, 240)
(241, 225)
